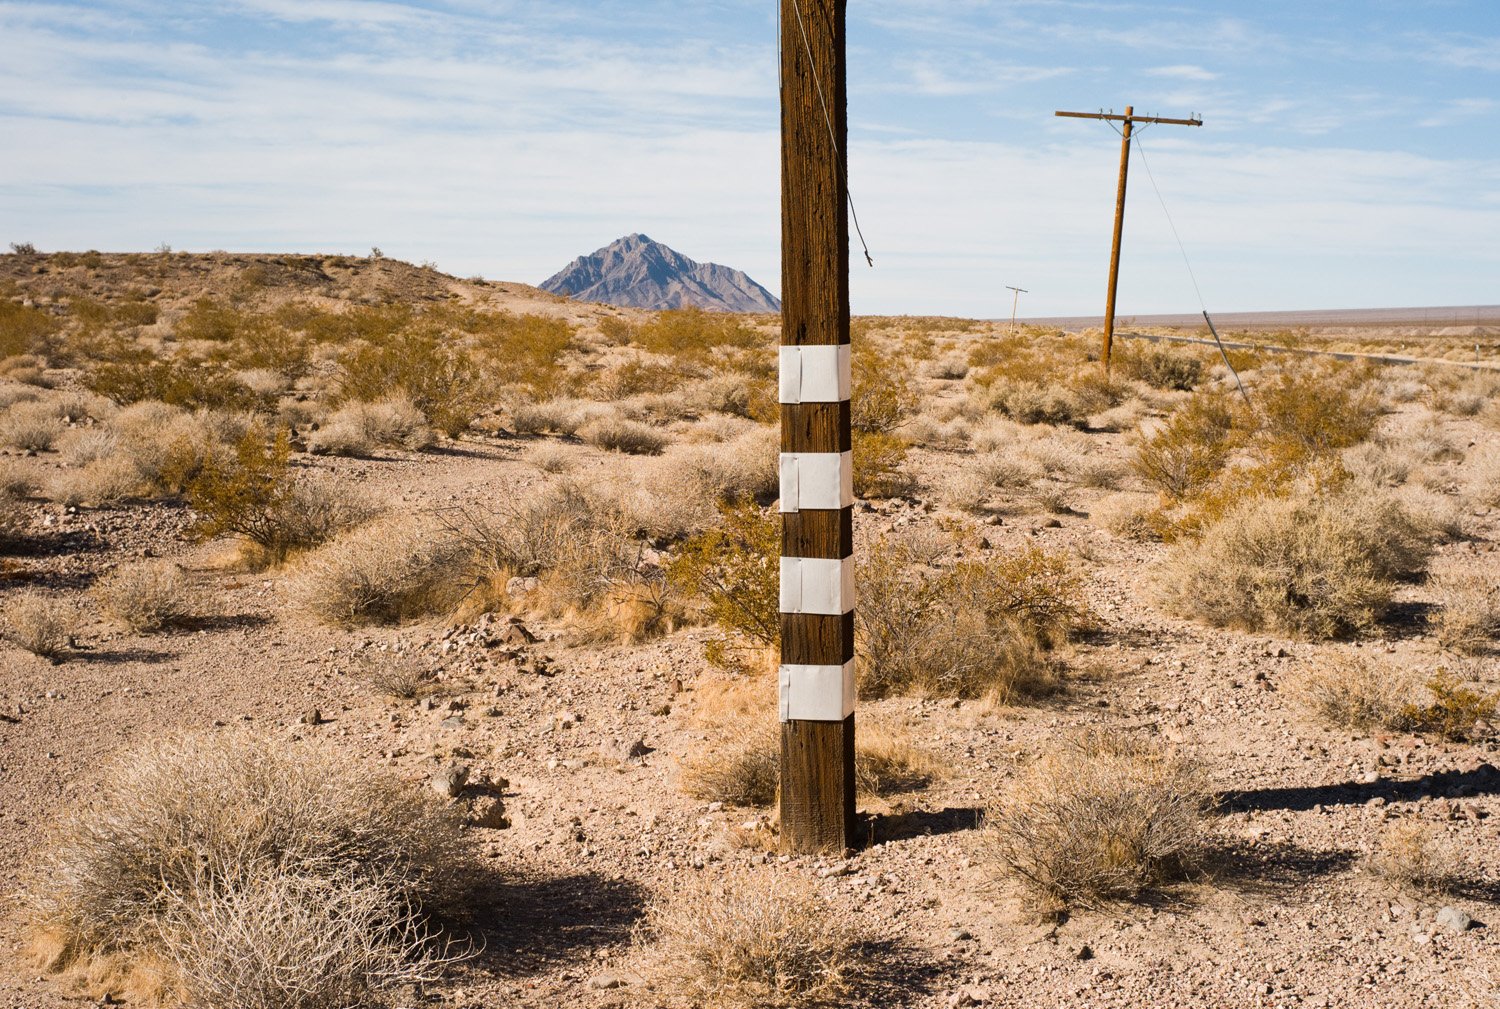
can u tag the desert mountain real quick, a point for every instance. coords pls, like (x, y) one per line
(635, 271)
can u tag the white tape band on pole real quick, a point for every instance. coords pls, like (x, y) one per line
(816, 480)
(822, 374)
(817, 693)
(817, 585)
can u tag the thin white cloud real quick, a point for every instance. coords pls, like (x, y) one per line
(1183, 71)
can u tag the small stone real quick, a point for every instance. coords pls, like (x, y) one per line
(714, 807)
(604, 981)
(1453, 919)
(1370, 777)
(1421, 939)
(517, 634)
(450, 780)
(960, 934)
(634, 750)
(489, 812)
(452, 722)
(1375, 803)
(313, 717)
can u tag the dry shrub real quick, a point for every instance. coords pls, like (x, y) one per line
(614, 434)
(31, 426)
(254, 874)
(557, 416)
(266, 382)
(393, 674)
(99, 483)
(1321, 567)
(82, 446)
(886, 761)
(761, 940)
(1102, 818)
(743, 768)
(1030, 403)
(39, 623)
(1469, 618)
(1351, 693)
(358, 427)
(743, 467)
(421, 365)
(1127, 516)
(145, 597)
(1160, 366)
(967, 628)
(550, 457)
(878, 458)
(382, 574)
(882, 398)
(1409, 861)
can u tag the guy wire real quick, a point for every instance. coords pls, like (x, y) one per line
(827, 119)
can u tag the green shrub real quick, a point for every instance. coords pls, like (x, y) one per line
(878, 457)
(438, 378)
(23, 330)
(255, 496)
(735, 568)
(1187, 453)
(174, 381)
(208, 320)
(694, 334)
(524, 350)
(1452, 712)
(1160, 366)
(882, 398)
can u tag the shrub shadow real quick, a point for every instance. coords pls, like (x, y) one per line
(1272, 867)
(1484, 780)
(525, 923)
(893, 972)
(894, 826)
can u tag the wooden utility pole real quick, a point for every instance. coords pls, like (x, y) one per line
(816, 676)
(1129, 119)
(1016, 301)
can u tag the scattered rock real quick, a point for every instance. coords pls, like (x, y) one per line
(453, 722)
(517, 634)
(487, 811)
(604, 981)
(448, 781)
(634, 750)
(1453, 919)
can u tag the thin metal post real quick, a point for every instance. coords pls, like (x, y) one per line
(1017, 300)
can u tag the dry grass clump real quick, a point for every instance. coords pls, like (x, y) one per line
(39, 623)
(1469, 619)
(1160, 366)
(1031, 403)
(1349, 692)
(382, 574)
(556, 416)
(972, 627)
(227, 871)
(1319, 567)
(1127, 515)
(886, 761)
(765, 940)
(1409, 861)
(614, 434)
(550, 457)
(745, 767)
(358, 427)
(31, 426)
(393, 674)
(99, 483)
(145, 597)
(1101, 818)
(743, 467)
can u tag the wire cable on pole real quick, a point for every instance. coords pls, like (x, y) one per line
(827, 119)
(1141, 149)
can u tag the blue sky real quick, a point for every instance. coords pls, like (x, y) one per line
(1350, 153)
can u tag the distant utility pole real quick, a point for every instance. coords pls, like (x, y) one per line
(1129, 119)
(816, 677)
(1014, 302)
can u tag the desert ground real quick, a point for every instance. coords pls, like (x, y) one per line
(1169, 696)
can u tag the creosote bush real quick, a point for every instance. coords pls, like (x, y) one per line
(256, 496)
(1101, 818)
(765, 940)
(230, 871)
